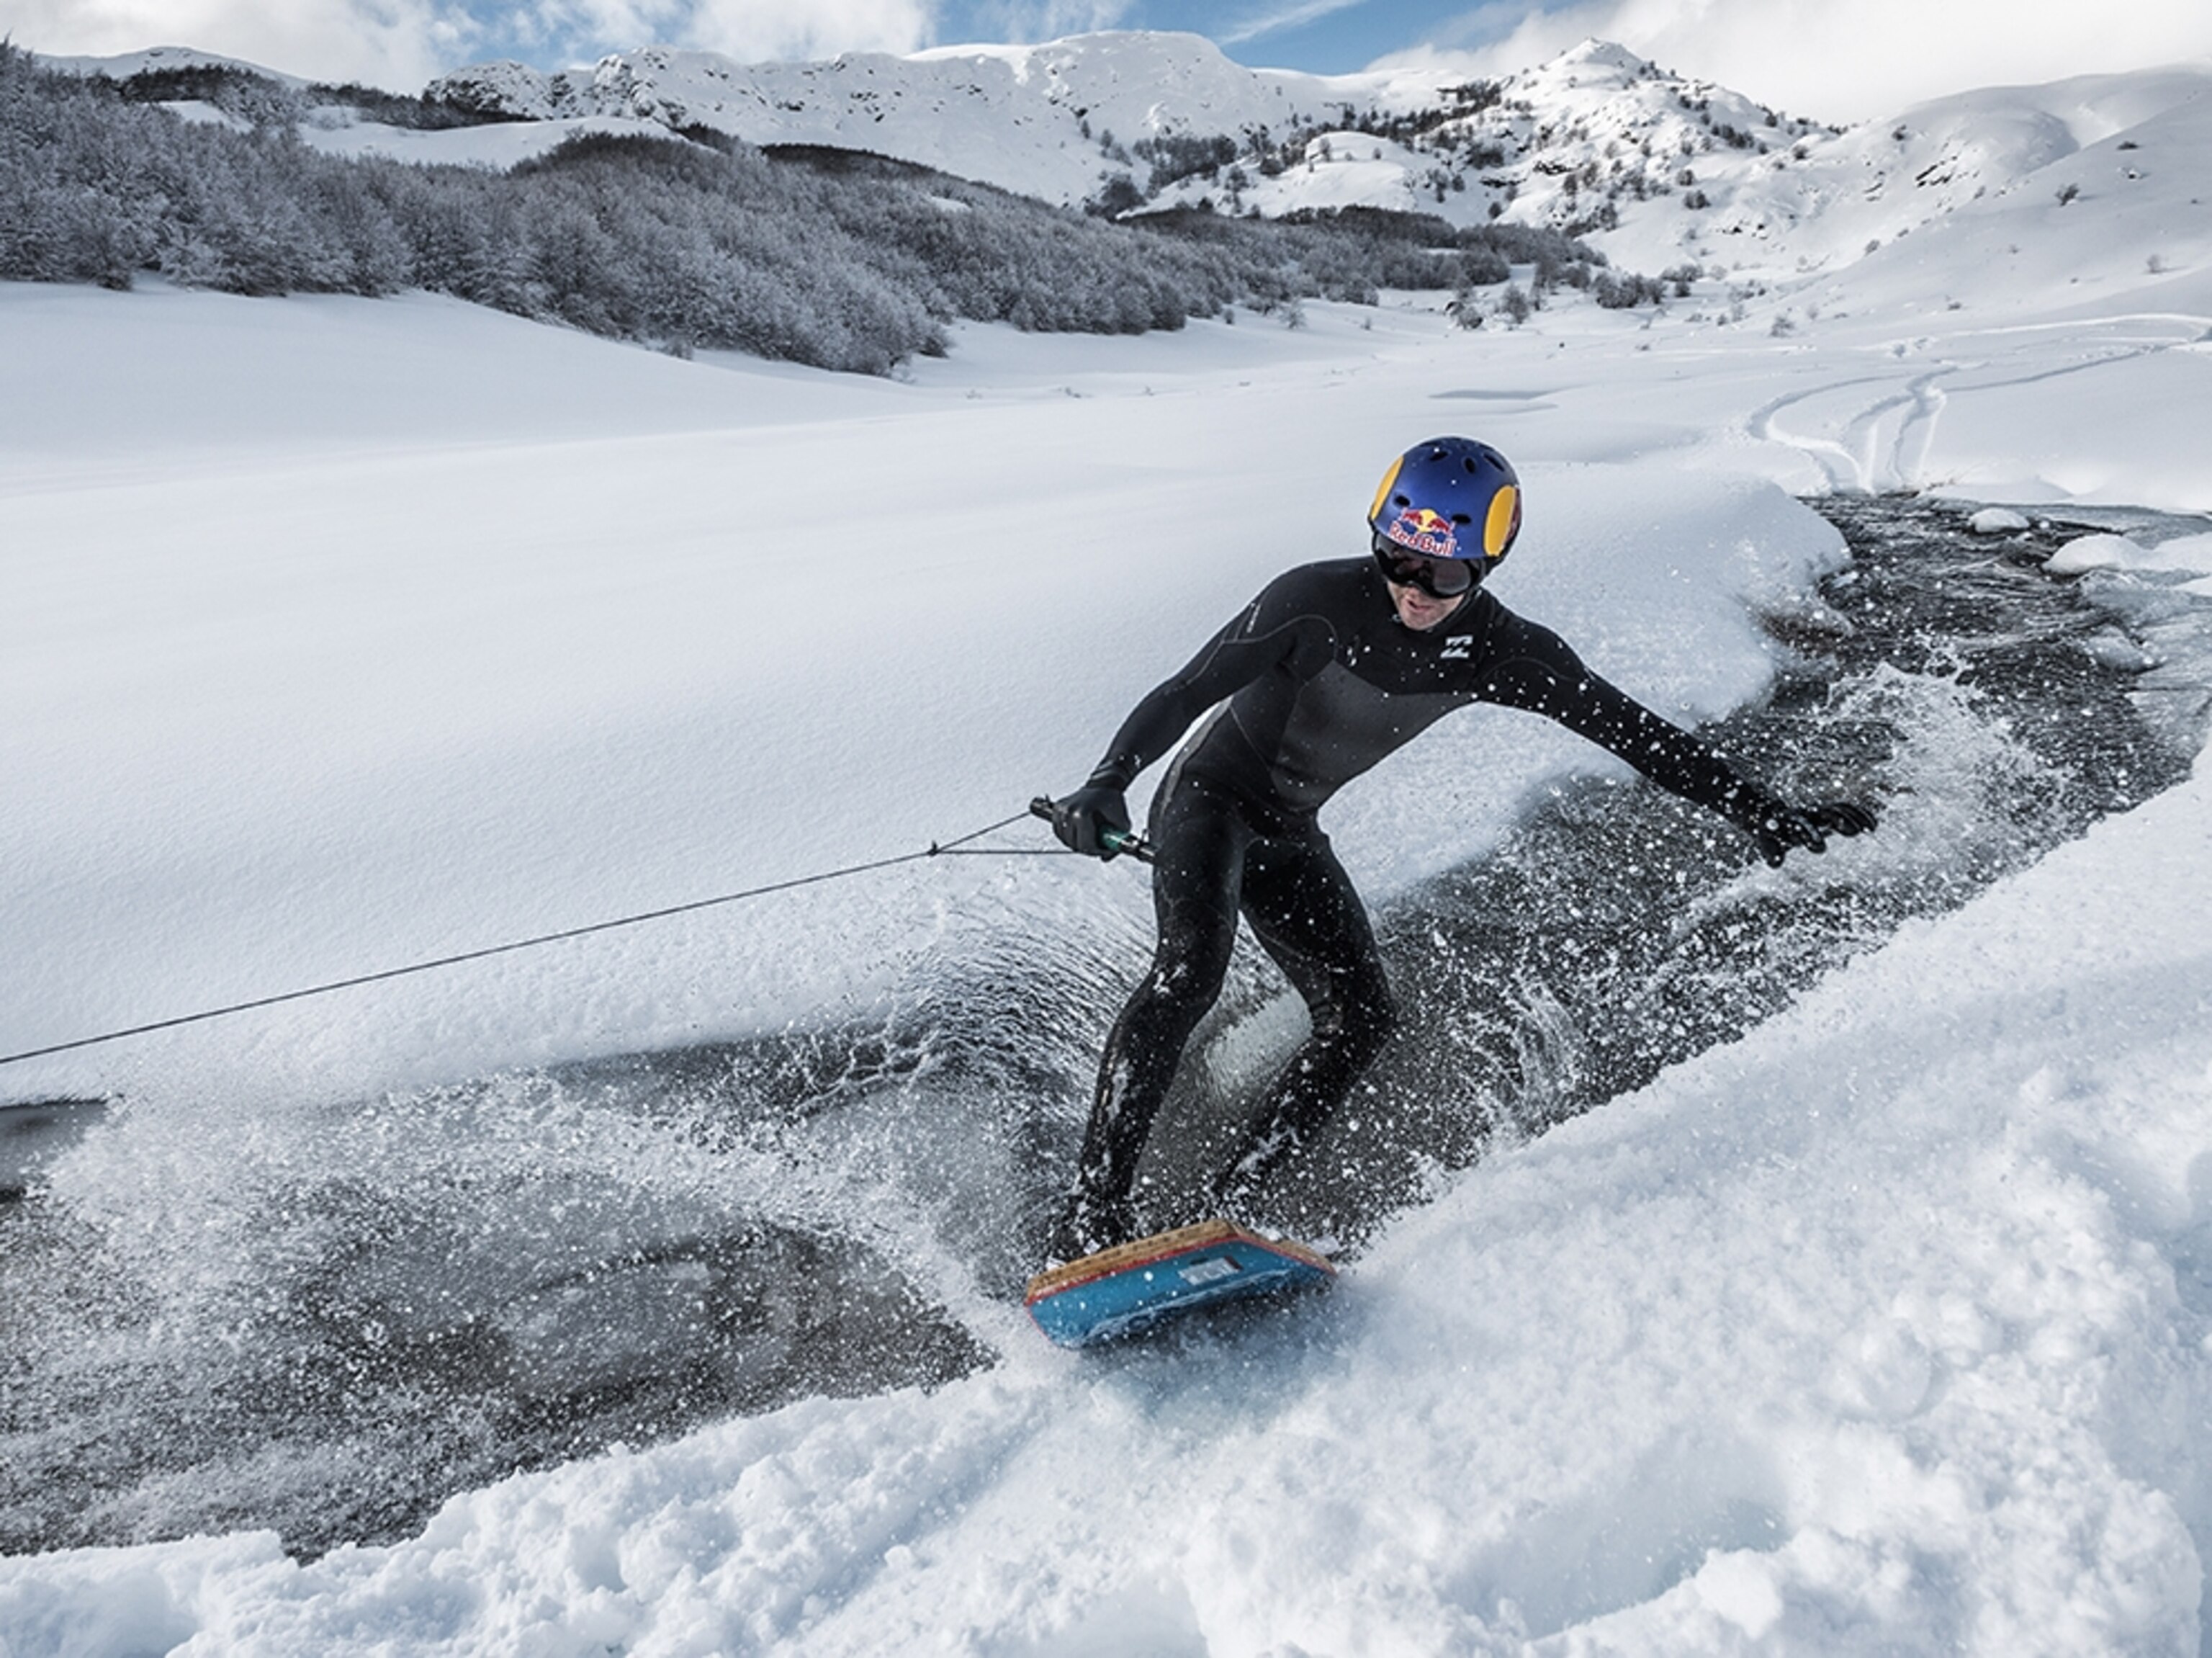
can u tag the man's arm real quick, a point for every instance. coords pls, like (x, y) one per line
(1267, 632)
(1535, 670)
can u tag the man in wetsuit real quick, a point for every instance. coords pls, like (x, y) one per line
(1331, 668)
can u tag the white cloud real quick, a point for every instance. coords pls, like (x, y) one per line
(397, 44)
(1293, 14)
(402, 44)
(587, 28)
(1020, 21)
(751, 31)
(1857, 59)
(1832, 59)
(760, 30)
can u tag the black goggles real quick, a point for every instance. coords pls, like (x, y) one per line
(1440, 578)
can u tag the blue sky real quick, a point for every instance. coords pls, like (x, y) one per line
(1838, 60)
(1328, 37)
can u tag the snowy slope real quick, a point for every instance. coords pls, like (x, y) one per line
(498, 144)
(2129, 210)
(1902, 174)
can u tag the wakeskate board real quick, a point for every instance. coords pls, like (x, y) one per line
(1132, 1287)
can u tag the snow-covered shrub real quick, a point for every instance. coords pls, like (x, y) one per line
(827, 257)
(1624, 292)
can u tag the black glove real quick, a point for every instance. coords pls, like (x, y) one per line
(1083, 819)
(1777, 826)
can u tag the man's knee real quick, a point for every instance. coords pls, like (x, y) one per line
(1358, 1017)
(1192, 962)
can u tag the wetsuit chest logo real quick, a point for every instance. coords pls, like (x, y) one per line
(1460, 648)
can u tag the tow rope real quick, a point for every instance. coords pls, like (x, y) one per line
(948, 849)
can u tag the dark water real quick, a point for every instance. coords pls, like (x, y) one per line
(336, 1319)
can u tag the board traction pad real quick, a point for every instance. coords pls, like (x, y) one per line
(1123, 1290)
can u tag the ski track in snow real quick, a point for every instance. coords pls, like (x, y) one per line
(1882, 443)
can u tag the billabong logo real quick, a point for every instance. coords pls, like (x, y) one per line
(1460, 648)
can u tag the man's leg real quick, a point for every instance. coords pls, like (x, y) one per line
(1307, 916)
(1201, 837)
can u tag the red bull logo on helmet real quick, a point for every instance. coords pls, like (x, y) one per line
(1430, 533)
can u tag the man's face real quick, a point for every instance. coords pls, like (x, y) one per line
(1419, 606)
(1418, 610)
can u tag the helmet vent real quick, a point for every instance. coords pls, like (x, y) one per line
(1462, 518)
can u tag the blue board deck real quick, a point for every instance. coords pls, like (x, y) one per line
(1133, 1286)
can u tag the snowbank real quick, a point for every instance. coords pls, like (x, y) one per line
(2105, 551)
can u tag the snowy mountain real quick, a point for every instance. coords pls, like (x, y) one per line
(1656, 168)
(156, 59)
(1044, 120)
(1661, 171)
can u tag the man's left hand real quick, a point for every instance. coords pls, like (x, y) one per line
(1783, 826)
(1094, 821)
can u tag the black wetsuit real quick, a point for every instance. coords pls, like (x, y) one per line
(1317, 679)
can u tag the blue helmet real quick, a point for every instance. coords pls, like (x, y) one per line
(1450, 497)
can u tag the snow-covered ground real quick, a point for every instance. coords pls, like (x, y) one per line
(1884, 1329)
(501, 145)
(342, 634)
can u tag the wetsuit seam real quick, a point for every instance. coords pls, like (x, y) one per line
(1255, 641)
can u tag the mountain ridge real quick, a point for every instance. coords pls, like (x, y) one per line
(1657, 170)
(1654, 168)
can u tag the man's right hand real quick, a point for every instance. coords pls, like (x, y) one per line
(1085, 820)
